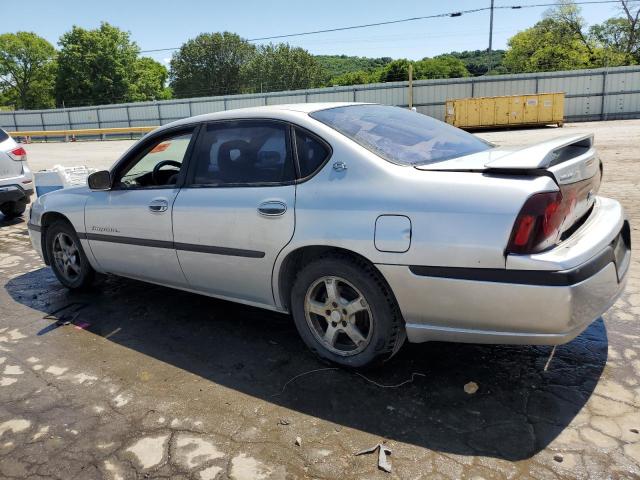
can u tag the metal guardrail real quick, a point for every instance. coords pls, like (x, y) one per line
(72, 134)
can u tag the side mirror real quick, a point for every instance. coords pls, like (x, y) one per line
(100, 181)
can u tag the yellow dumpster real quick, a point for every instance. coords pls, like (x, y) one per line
(491, 112)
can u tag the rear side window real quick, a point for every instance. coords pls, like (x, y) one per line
(3, 135)
(244, 153)
(311, 153)
(400, 135)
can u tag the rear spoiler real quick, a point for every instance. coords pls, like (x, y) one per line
(545, 154)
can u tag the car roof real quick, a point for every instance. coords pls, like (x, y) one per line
(308, 107)
(254, 112)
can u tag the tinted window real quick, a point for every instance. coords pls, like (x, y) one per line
(3, 135)
(171, 150)
(244, 153)
(400, 135)
(311, 153)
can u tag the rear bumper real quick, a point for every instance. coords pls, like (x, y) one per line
(35, 235)
(515, 307)
(14, 193)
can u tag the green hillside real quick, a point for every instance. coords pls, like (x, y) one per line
(477, 61)
(336, 65)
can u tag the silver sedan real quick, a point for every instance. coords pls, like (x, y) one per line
(369, 224)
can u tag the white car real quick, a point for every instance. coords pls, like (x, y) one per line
(16, 180)
(369, 223)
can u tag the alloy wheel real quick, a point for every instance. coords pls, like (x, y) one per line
(66, 257)
(338, 315)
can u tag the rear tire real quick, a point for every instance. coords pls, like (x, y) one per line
(13, 209)
(67, 258)
(346, 313)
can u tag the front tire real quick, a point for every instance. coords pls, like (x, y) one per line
(346, 313)
(67, 258)
(13, 209)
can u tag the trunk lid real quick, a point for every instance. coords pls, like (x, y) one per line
(570, 160)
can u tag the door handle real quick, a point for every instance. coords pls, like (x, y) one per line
(158, 205)
(272, 208)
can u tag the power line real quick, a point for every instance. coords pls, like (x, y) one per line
(405, 20)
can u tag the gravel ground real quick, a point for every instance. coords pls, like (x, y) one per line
(148, 382)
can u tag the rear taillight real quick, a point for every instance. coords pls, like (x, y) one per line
(18, 154)
(539, 223)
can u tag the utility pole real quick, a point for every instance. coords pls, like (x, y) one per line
(490, 37)
(410, 86)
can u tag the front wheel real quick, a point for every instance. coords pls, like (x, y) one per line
(345, 312)
(67, 258)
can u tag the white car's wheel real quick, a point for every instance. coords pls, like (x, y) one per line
(67, 258)
(13, 209)
(345, 312)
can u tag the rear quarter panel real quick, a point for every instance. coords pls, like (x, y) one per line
(459, 219)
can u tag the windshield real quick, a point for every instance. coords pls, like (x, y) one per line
(400, 135)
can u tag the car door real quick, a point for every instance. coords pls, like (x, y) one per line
(129, 227)
(236, 211)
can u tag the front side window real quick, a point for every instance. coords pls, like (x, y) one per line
(400, 135)
(244, 153)
(311, 153)
(158, 165)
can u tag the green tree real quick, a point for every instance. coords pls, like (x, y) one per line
(6, 102)
(282, 67)
(359, 77)
(395, 71)
(614, 34)
(632, 15)
(614, 42)
(561, 41)
(570, 23)
(209, 65)
(27, 66)
(337, 65)
(479, 62)
(95, 66)
(620, 35)
(548, 45)
(442, 66)
(148, 81)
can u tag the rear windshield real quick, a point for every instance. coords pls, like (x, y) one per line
(3, 135)
(400, 135)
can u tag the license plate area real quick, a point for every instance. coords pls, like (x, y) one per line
(622, 251)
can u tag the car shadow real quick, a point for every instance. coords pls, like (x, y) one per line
(516, 412)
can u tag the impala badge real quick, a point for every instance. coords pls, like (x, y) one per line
(105, 229)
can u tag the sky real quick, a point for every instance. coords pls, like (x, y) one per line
(164, 24)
